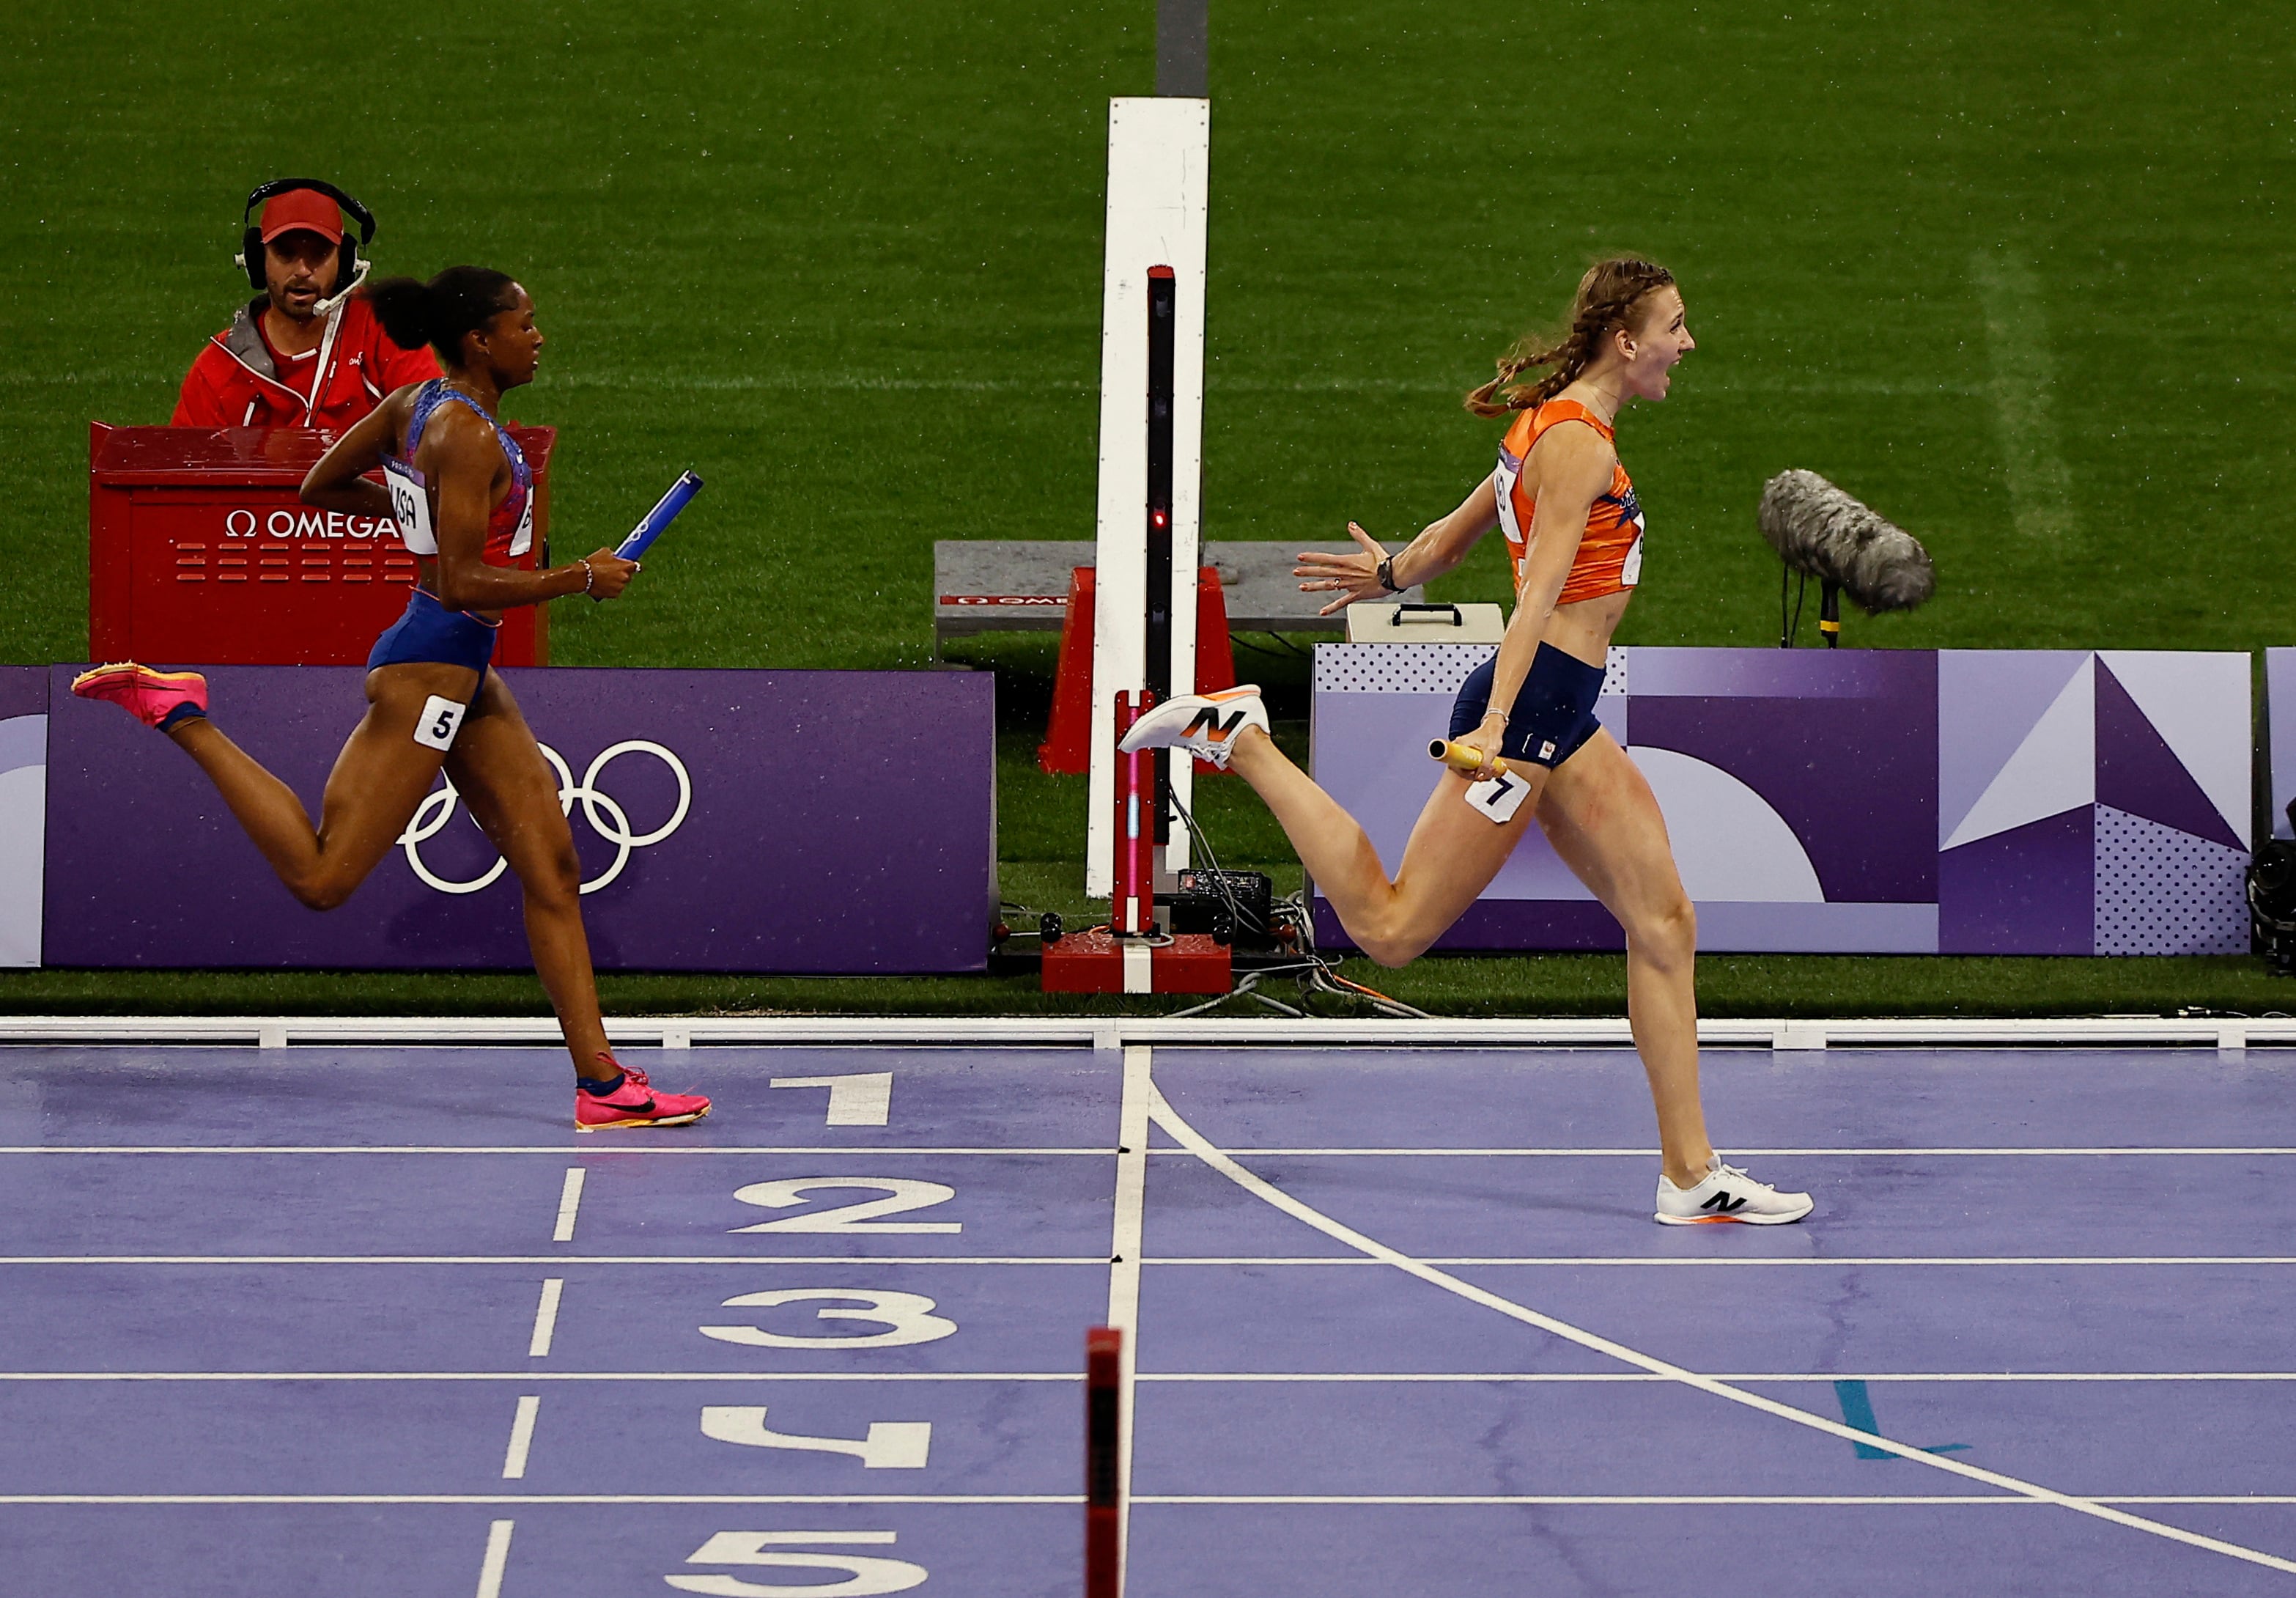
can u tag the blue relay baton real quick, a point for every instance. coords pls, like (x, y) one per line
(665, 511)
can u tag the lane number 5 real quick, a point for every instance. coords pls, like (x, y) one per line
(865, 1576)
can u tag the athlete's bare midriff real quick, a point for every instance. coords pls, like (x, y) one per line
(1583, 631)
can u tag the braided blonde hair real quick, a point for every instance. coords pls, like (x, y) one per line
(1607, 299)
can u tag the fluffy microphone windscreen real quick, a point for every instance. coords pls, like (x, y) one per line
(1817, 528)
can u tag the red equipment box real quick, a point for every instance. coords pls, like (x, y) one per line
(199, 553)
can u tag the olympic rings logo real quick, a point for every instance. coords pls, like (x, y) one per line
(606, 817)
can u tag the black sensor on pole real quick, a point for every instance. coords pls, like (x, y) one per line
(1162, 292)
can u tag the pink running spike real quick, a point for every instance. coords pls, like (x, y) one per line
(149, 697)
(635, 1103)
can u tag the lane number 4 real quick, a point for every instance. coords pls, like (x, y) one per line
(891, 1445)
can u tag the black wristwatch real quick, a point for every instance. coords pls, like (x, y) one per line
(1387, 576)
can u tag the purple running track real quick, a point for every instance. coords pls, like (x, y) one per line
(336, 1320)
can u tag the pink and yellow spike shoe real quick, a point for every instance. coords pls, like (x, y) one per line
(160, 699)
(635, 1103)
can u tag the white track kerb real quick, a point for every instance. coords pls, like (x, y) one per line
(2230, 1033)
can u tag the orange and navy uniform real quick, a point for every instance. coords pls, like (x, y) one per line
(1610, 558)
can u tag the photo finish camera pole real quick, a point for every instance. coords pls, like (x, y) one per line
(1143, 780)
(1163, 302)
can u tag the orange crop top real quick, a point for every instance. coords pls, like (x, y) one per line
(1610, 559)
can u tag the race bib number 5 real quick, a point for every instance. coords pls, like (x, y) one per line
(441, 720)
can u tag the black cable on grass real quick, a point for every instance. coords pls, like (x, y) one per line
(1317, 973)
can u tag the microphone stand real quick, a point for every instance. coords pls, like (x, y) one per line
(1829, 613)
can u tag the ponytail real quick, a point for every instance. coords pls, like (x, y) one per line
(437, 313)
(1606, 300)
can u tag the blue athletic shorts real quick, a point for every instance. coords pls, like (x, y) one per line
(1553, 715)
(429, 631)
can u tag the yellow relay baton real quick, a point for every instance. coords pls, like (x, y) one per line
(1465, 760)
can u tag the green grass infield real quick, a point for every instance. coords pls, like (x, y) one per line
(2006, 273)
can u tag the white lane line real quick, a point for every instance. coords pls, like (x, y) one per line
(1972, 1153)
(1075, 1378)
(1753, 1378)
(1757, 1378)
(1132, 1261)
(2023, 389)
(502, 1527)
(570, 1205)
(871, 1260)
(1791, 1500)
(546, 1318)
(497, 1559)
(1268, 1193)
(2101, 1152)
(1637, 1260)
(521, 1438)
(1124, 1267)
(555, 1148)
(1975, 1501)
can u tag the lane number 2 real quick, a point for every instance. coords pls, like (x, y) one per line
(865, 1576)
(901, 1195)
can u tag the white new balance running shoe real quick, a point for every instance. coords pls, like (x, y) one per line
(1729, 1194)
(1206, 725)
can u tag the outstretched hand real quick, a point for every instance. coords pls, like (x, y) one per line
(1352, 576)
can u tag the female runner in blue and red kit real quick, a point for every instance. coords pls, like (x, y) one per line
(462, 498)
(1574, 532)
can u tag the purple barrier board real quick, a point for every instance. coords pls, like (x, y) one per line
(809, 822)
(2280, 735)
(23, 810)
(1891, 801)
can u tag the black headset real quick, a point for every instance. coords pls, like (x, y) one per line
(347, 264)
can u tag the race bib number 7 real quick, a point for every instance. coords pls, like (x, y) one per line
(1499, 798)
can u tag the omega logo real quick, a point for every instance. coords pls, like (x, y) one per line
(306, 524)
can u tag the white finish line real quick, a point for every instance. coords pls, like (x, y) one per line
(1111, 1034)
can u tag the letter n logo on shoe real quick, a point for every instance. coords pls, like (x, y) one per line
(1723, 1204)
(1221, 726)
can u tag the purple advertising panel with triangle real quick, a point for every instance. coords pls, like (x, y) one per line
(1979, 802)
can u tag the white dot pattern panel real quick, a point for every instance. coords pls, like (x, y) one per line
(1396, 668)
(1420, 668)
(2159, 891)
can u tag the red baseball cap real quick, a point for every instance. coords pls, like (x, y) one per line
(302, 207)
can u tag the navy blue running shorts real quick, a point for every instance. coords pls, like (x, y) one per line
(1553, 715)
(429, 631)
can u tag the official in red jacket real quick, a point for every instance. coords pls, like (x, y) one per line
(307, 352)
